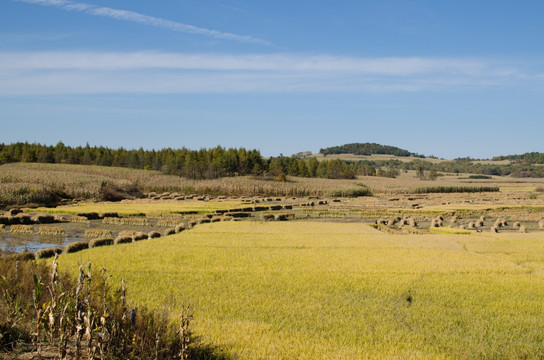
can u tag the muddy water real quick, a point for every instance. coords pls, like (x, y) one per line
(32, 242)
(20, 242)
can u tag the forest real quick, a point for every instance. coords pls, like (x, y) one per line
(367, 149)
(220, 162)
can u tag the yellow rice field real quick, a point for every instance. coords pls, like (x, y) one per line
(323, 290)
(137, 207)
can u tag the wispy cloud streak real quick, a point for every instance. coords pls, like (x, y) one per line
(151, 72)
(132, 16)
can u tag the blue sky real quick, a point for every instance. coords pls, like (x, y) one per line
(444, 78)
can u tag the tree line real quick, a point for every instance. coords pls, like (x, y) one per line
(193, 164)
(367, 149)
(221, 162)
(527, 158)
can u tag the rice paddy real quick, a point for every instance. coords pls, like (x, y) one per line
(323, 290)
(139, 207)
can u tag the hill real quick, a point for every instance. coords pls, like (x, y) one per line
(367, 149)
(527, 158)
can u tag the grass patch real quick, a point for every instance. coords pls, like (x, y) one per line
(448, 230)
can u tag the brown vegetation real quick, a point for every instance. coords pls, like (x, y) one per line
(50, 315)
(97, 233)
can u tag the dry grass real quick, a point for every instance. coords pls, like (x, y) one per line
(84, 182)
(76, 246)
(100, 242)
(168, 222)
(25, 229)
(126, 221)
(51, 230)
(97, 233)
(79, 219)
(48, 253)
(46, 315)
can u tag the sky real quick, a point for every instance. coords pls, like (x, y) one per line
(443, 78)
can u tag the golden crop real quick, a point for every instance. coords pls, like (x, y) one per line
(320, 290)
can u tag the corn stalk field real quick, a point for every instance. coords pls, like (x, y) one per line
(325, 290)
(34, 183)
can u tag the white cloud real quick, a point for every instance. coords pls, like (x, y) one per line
(132, 16)
(151, 72)
(270, 62)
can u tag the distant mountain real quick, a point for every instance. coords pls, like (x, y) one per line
(367, 149)
(527, 158)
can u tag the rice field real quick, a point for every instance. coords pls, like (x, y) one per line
(324, 290)
(146, 207)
